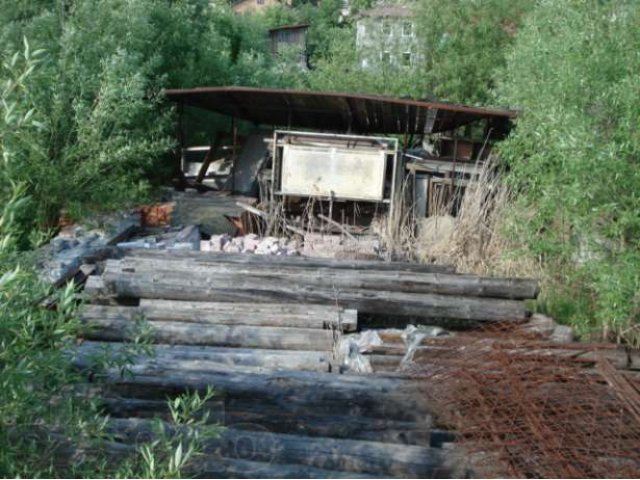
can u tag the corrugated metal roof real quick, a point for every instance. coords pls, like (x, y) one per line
(338, 112)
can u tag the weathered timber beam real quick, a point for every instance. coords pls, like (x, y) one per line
(197, 357)
(216, 335)
(449, 284)
(221, 313)
(282, 420)
(294, 390)
(223, 467)
(380, 302)
(358, 456)
(248, 259)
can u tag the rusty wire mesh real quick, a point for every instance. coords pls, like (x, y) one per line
(524, 407)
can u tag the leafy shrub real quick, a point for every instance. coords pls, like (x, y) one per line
(574, 157)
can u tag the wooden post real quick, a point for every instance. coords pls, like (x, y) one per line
(179, 169)
(234, 158)
(208, 159)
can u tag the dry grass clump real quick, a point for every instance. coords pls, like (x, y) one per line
(396, 232)
(475, 241)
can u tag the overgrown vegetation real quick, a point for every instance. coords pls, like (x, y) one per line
(83, 128)
(48, 428)
(574, 158)
(98, 131)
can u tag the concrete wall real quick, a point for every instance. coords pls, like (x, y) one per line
(388, 40)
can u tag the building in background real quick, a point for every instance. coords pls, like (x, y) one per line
(386, 35)
(252, 6)
(290, 41)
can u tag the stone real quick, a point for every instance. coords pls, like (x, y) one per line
(562, 334)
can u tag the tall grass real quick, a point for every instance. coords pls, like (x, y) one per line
(476, 241)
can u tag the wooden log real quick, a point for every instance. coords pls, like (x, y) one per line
(221, 313)
(379, 397)
(358, 456)
(281, 420)
(429, 306)
(408, 282)
(213, 148)
(67, 454)
(223, 467)
(216, 335)
(95, 286)
(249, 259)
(195, 357)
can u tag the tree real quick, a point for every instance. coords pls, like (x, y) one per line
(572, 73)
(464, 43)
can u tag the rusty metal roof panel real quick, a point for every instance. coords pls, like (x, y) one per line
(337, 112)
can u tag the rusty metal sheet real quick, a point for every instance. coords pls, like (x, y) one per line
(338, 112)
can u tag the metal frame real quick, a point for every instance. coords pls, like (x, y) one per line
(276, 171)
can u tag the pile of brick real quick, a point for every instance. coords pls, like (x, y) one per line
(251, 243)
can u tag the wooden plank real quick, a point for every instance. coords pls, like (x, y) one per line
(94, 286)
(225, 313)
(218, 335)
(379, 302)
(202, 173)
(223, 467)
(379, 396)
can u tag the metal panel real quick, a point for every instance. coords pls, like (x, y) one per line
(343, 173)
(339, 112)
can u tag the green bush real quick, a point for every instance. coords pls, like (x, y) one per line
(102, 128)
(43, 415)
(574, 157)
(465, 42)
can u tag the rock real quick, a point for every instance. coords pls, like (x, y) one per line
(251, 243)
(542, 324)
(562, 334)
(189, 234)
(231, 247)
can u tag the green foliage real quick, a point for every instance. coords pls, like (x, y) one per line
(574, 156)
(35, 405)
(43, 417)
(173, 446)
(98, 126)
(340, 71)
(465, 43)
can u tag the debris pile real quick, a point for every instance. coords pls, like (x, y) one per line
(251, 243)
(187, 238)
(61, 259)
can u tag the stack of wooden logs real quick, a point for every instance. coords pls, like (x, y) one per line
(261, 330)
(428, 292)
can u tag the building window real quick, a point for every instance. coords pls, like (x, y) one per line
(406, 59)
(386, 58)
(386, 27)
(407, 29)
(260, 2)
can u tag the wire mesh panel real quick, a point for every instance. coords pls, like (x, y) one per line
(527, 408)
